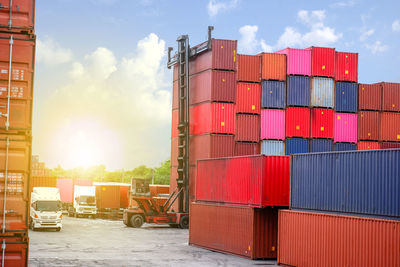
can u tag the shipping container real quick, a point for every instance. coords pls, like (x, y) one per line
(273, 94)
(346, 67)
(390, 96)
(345, 128)
(243, 231)
(125, 196)
(246, 149)
(298, 61)
(322, 61)
(212, 86)
(322, 123)
(273, 124)
(175, 95)
(297, 122)
(296, 146)
(107, 196)
(249, 68)
(174, 123)
(192, 184)
(344, 147)
(175, 72)
(318, 239)
(370, 96)
(247, 128)
(210, 146)
(83, 182)
(221, 57)
(248, 98)
(15, 251)
(156, 189)
(272, 147)
(346, 97)
(19, 18)
(298, 91)
(42, 181)
(66, 187)
(367, 145)
(389, 145)
(359, 182)
(321, 145)
(273, 66)
(257, 181)
(368, 125)
(212, 118)
(322, 91)
(390, 127)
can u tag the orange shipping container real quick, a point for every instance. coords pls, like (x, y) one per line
(318, 239)
(156, 189)
(107, 196)
(248, 68)
(273, 66)
(43, 181)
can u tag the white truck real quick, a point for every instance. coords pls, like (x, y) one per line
(84, 201)
(45, 210)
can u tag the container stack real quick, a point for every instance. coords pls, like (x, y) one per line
(39, 168)
(344, 210)
(17, 54)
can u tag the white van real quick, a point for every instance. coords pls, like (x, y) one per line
(45, 211)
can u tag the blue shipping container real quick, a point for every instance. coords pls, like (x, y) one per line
(321, 145)
(346, 97)
(273, 94)
(299, 90)
(272, 147)
(358, 182)
(344, 147)
(296, 146)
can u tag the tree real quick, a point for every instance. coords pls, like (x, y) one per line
(162, 173)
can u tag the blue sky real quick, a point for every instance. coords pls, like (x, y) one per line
(103, 92)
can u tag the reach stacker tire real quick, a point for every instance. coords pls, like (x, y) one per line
(184, 222)
(136, 221)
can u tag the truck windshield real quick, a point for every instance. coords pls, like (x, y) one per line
(43, 205)
(87, 200)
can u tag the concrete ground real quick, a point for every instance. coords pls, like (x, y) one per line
(88, 242)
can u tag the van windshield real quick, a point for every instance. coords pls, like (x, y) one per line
(87, 200)
(47, 205)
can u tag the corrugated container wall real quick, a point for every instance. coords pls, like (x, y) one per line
(389, 145)
(321, 123)
(16, 253)
(249, 68)
(390, 96)
(369, 96)
(83, 182)
(123, 196)
(66, 187)
(243, 231)
(296, 146)
(272, 147)
(297, 122)
(390, 126)
(322, 61)
(298, 61)
(210, 146)
(247, 128)
(108, 196)
(321, 145)
(367, 145)
(273, 124)
(273, 66)
(344, 147)
(322, 91)
(368, 125)
(346, 97)
(346, 67)
(316, 239)
(248, 98)
(345, 128)
(21, 17)
(246, 149)
(174, 123)
(212, 118)
(273, 94)
(42, 181)
(358, 182)
(298, 91)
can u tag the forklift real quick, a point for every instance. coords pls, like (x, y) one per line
(147, 209)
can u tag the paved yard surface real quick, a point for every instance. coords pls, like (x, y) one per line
(87, 242)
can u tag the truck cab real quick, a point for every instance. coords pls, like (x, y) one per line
(84, 201)
(45, 209)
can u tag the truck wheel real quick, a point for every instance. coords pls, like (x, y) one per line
(136, 221)
(58, 229)
(184, 222)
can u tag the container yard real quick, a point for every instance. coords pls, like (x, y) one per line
(262, 142)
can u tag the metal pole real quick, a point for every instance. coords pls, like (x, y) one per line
(3, 246)
(5, 187)
(10, 20)
(9, 83)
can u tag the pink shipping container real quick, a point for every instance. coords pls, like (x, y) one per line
(316, 239)
(246, 148)
(345, 128)
(273, 124)
(247, 127)
(257, 181)
(212, 118)
(298, 61)
(248, 98)
(66, 187)
(366, 145)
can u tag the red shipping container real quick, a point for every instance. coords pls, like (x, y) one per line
(107, 196)
(247, 128)
(368, 125)
(257, 181)
(390, 96)
(249, 68)
(246, 149)
(367, 145)
(156, 189)
(221, 57)
(212, 118)
(124, 196)
(297, 122)
(346, 67)
(318, 239)
(322, 61)
(175, 95)
(16, 251)
(322, 123)
(369, 96)
(248, 98)
(21, 17)
(273, 66)
(390, 127)
(389, 145)
(210, 146)
(243, 231)
(174, 123)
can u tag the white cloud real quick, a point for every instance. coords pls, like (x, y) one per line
(366, 33)
(50, 52)
(377, 47)
(342, 4)
(248, 42)
(215, 6)
(396, 26)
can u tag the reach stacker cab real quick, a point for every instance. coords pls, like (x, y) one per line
(149, 210)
